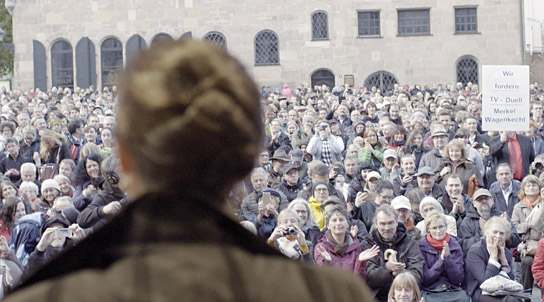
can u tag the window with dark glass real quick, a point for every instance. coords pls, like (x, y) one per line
(320, 26)
(216, 38)
(369, 23)
(111, 53)
(467, 70)
(266, 48)
(383, 80)
(62, 65)
(466, 20)
(414, 22)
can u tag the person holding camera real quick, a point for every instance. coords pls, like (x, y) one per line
(324, 146)
(266, 221)
(338, 248)
(289, 238)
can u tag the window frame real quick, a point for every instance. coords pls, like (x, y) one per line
(359, 12)
(313, 24)
(277, 54)
(455, 24)
(103, 67)
(414, 25)
(59, 69)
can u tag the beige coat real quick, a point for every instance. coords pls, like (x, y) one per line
(529, 224)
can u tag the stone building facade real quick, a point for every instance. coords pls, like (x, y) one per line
(78, 43)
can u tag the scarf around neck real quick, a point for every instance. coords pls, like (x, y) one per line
(338, 248)
(531, 204)
(438, 244)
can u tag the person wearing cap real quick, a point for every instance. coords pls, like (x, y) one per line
(291, 183)
(324, 146)
(50, 189)
(478, 213)
(53, 242)
(426, 182)
(297, 159)
(277, 163)
(390, 169)
(364, 209)
(305, 131)
(514, 149)
(444, 265)
(277, 137)
(435, 157)
(402, 206)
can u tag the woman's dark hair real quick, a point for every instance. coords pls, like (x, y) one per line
(410, 140)
(81, 170)
(8, 212)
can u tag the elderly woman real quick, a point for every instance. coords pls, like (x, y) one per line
(288, 237)
(29, 191)
(309, 226)
(404, 289)
(528, 225)
(456, 163)
(443, 268)
(428, 205)
(488, 258)
(338, 248)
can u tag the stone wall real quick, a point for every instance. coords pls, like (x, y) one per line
(416, 59)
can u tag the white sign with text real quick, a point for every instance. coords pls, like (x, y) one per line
(505, 98)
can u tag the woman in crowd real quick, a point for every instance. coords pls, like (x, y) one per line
(414, 145)
(338, 248)
(404, 289)
(87, 180)
(319, 194)
(50, 191)
(53, 149)
(88, 149)
(309, 226)
(488, 258)
(7, 189)
(107, 141)
(372, 150)
(524, 218)
(67, 167)
(12, 210)
(288, 237)
(398, 140)
(8, 129)
(66, 188)
(426, 207)
(29, 143)
(443, 268)
(456, 163)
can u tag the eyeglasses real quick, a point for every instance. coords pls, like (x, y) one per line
(438, 228)
(302, 212)
(461, 136)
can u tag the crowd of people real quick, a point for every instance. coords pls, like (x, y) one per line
(401, 187)
(387, 182)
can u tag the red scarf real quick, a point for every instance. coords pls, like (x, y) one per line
(531, 204)
(514, 156)
(438, 244)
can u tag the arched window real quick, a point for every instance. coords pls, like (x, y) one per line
(216, 38)
(322, 77)
(320, 25)
(111, 53)
(134, 45)
(266, 48)
(85, 63)
(467, 70)
(161, 37)
(62, 65)
(383, 80)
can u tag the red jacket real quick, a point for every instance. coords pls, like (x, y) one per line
(349, 261)
(538, 265)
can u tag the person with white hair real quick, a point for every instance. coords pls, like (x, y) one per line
(430, 204)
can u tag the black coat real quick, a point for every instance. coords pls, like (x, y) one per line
(93, 215)
(499, 151)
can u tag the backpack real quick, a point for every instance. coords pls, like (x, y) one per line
(26, 235)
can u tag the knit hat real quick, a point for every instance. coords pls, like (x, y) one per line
(50, 183)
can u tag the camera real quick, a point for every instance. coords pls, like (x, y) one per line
(539, 166)
(291, 231)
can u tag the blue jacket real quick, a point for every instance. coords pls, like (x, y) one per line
(437, 271)
(478, 269)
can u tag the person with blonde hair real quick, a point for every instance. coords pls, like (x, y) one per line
(404, 289)
(171, 97)
(456, 162)
(53, 148)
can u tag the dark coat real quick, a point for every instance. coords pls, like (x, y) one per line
(500, 204)
(272, 146)
(469, 231)
(466, 171)
(93, 215)
(478, 268)
(9, 162)
(437, 271)
(377, 276)
(289, 191)
(365, 213)
(499, 151)
(55, 157)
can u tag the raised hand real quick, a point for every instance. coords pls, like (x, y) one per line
(369, 253)
(324, 253)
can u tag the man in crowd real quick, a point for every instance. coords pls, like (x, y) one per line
(435, 157)
(319, 173)
(407, 174)
(259, 182)
(426, 182)
(505, 190)
(291, 183)
(513, 149)
(11, 164)
(278, 161)
(324, 146)
(403, 208)
(388, 234)
(298, 161)
(454, 201)
(390, 169)
(351, 164)
(365, 212)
